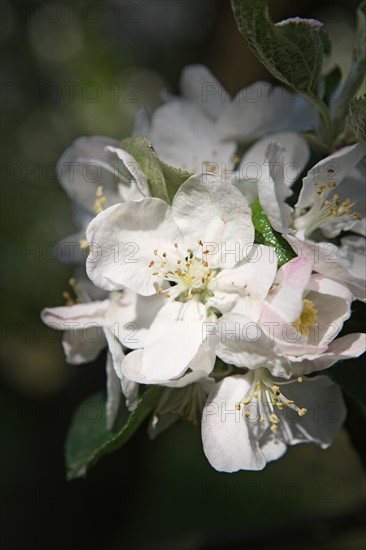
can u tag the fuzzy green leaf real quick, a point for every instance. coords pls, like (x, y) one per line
(164, 180)
(357, 117)
(291, 50)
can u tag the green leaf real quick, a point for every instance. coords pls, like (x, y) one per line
(331, 82)
(357, 74)
(357, 117)
(351, 375)
(265, 234)
(291, 50)
(89, 438)
(164, 180)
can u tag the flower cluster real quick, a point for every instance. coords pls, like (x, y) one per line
(231, 296)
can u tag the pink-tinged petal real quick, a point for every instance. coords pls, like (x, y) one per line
(77, 316)
(329, 260)
(208, 210)
(285, 338)
(293, 279)
(122, 241)
(345, 347)
(241, 342)
(227, 440)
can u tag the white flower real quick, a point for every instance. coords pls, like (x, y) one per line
(296, 331)
(96, 173)
(257, 110)
(250, 419)
(332, 200)
(193, 255)
(199, 131)
(122, 319)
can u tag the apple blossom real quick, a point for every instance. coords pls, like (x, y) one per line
(250, 419)
(197, 255)
(322, 212)
(295, 334)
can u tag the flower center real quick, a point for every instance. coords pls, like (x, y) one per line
(188, 276)
(187, 403)
(325, 211)
(268, 399)
(308, 318)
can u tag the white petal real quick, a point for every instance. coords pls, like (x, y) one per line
(328, 259)
(297, 154)
(126, 386)
(76, 317)
(241, 342)
(83, 346)
(272, 190)
(142, 123)
(227, 441)
(252, 278)
(332, 169)
(199, 85)
(326, 412)
(345, 347)
(293, 279)
(122, 240)
(184, 137)
(114, 392)
(84, 166)
(173, 341)
(131, 172)
(261, 109)
(217, 214)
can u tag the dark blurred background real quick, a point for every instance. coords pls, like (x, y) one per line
(85, 68)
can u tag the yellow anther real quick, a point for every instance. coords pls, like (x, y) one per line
(237, 406)
(302, 412)
(299, 379)
(246, 400)
(308, 318)
(274, 419)
(273, 427)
